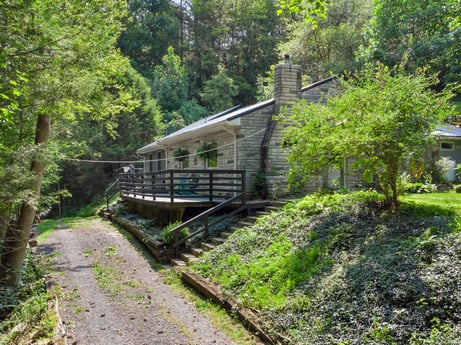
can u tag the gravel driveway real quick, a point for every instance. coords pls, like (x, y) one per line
(110, 295)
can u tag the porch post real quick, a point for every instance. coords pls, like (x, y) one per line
(211, 185)
(243, 186)
(171, 186)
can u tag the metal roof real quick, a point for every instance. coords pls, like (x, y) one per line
(448, 131)
(216, 120)
(211, 121)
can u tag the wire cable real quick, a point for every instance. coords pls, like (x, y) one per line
(157, 160)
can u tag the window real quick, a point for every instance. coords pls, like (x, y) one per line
(151, 162)
(160, 161)
(447, 145)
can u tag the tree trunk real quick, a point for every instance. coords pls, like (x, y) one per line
(17, 237)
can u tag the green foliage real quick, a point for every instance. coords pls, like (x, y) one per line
(441, 333)
(311, 9)
(191, 111)
(265, 85)
(170, 82)
(170, 87)
(260, 184)
(208, 152)
(151, 28)
(265, 281)
(419, 187)
(427, 31)
(381, 117)
(241, 36)
(182, 155)
(90, 140)
(168, 237)
(63, 61)
(331, 46)
(219, 91)
(379, 334)
(26, 307)
(339, 269)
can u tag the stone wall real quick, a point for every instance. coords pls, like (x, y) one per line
(252, 130)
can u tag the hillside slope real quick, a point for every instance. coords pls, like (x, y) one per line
(338, 269)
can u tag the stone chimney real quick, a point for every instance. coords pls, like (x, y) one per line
(287, 90)
(287, 84)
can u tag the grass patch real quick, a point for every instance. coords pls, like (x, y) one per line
(446, 201)
(108, 278)
(78, 222)
(45, 228)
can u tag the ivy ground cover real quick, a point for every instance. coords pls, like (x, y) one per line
(340, 269)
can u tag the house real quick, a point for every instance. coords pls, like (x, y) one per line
(241, 138)
(448, 146)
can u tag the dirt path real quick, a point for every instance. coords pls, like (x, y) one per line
(110, 295)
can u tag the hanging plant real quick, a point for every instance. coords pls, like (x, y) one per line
(208, 152)
(182, 156)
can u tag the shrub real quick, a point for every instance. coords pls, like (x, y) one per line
(260, 185)
(167, 236)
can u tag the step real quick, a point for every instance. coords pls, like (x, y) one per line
(207, 246)
(178, 263)
(218, 240)
(233, 228)
(278, 203)
(262, 213)
(225, 234)
(244, 224)
(251, 219)
(197, 251)
(272, 208)
(188, 257)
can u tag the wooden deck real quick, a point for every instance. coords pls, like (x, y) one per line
(182, 188)
(166, 200)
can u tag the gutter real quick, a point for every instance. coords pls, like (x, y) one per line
(235, 143)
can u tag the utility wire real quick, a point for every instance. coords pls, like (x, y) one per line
(157, 160)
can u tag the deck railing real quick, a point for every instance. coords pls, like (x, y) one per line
(212, 185)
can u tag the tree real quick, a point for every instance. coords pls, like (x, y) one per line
(311, 9)
(91, 140)
(427, 32)
(240, 36)
(63, 56)
(170, 83)
(170, 87)
(380, 118)
(219, 92)
(152, 27)
(330, 47)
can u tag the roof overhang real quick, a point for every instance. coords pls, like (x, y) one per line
(227, 120)
(193, 134)
(451, 132)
